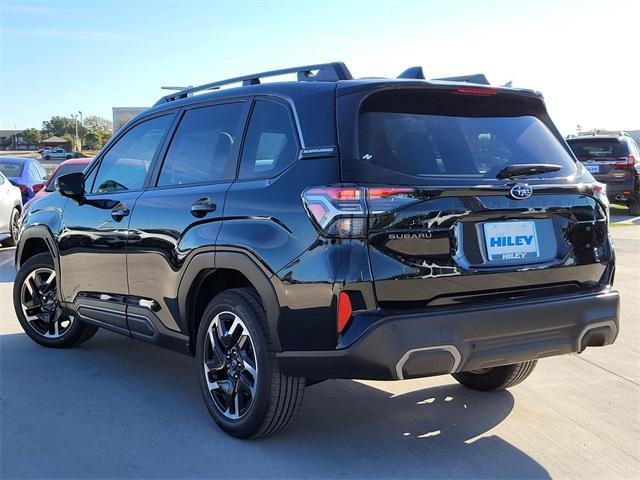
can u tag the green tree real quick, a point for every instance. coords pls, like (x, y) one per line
(98, 131)
(59, 126)
(92, 141)
(71, 139)
(32, 136)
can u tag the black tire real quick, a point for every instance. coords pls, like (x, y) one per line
(496, 378)
(73, 334)
(14, 221)
(47, 157)
(276, 397)
(634, 207)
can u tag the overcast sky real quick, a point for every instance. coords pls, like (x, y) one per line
(58, 57)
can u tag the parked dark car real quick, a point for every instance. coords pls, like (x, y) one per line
(25, 173)
(613, 160)
(290, 232)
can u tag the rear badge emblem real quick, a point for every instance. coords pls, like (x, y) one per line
(521, 191)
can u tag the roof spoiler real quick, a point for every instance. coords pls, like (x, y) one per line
(478, 78)
(413, 72)
(416, 73)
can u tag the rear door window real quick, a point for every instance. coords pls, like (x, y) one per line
(270, 145)
(204, 146)
(472, 141)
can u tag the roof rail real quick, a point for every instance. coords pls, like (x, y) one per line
(326, 72)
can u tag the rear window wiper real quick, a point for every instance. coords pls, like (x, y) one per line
(526, 169)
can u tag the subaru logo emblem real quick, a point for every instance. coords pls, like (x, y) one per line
(521, 191)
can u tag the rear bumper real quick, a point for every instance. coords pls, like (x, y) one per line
(616, 190)
(462, 339)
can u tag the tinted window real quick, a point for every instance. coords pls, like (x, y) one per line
(443, 137)
(270, 145)
(11, 169)
(593, 149)
(125, 165)
(63, 170)
(36, 171)
(41, 169)
(203, 147)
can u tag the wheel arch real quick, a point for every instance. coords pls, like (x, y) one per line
(210, 273)
(34, 240)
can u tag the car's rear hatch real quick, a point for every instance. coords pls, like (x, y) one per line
(607, 159)
(443, 227)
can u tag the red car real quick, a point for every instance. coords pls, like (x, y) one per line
(68, 166)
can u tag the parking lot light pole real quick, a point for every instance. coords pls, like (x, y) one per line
(75, 118)
(81, 124)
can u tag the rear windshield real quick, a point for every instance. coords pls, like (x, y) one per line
(596, 149)
(468, 143)
(63, 170)
(10, 169)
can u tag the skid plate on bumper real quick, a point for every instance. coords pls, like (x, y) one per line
(462, 339)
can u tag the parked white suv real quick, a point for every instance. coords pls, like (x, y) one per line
(10, 209)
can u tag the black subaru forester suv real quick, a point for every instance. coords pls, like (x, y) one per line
(290, 232)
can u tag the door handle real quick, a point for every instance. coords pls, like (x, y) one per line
(202, 206)
(119, 212)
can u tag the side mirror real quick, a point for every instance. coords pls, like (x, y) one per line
(71, 185)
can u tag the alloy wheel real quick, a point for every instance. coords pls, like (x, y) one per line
(40, 305)
(230, 365)
(15, 226)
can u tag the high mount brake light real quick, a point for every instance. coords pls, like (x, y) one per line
(475, 91)
(342, 211)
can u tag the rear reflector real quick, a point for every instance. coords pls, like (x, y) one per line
(344, 311)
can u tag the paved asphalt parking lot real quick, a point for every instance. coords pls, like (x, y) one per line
(118, 408)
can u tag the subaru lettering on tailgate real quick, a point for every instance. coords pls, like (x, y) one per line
(511, 240)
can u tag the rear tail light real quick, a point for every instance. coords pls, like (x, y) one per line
(629, 162)
(337, 211)
(23, 188)
(342, 211)
(600, 192)
(37, 187)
